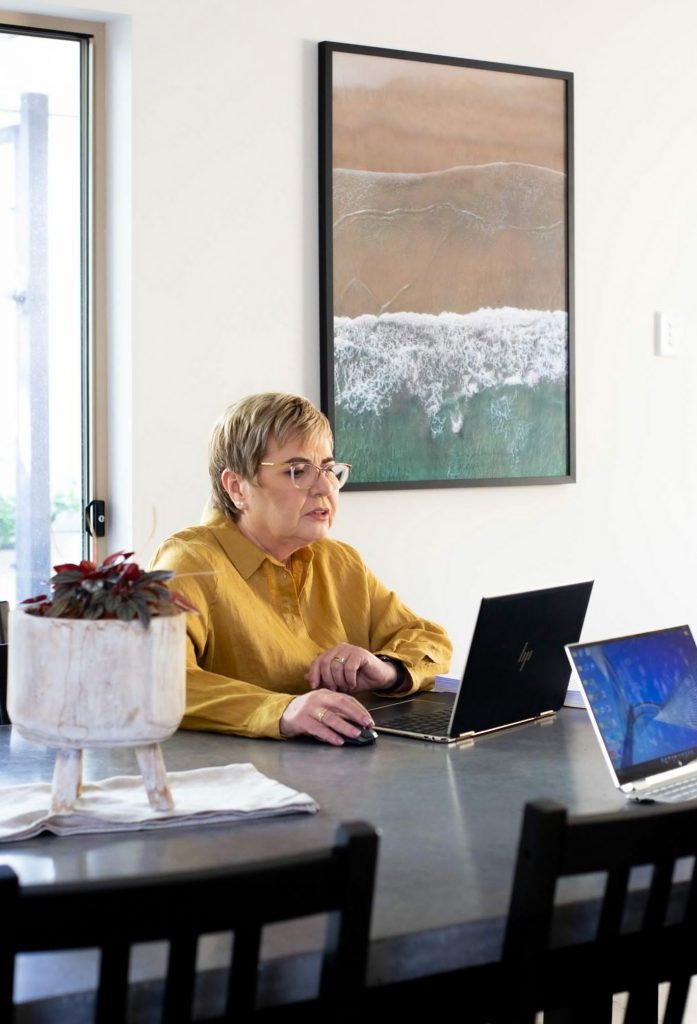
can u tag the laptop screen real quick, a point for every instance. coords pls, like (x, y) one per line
(642, 691)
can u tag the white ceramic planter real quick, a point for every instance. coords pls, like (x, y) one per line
(74, 683)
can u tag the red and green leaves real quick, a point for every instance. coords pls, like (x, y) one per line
(116, 589)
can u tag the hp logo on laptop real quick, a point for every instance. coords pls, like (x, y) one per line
(525, 656)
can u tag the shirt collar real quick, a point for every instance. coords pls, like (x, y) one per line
(242, 552)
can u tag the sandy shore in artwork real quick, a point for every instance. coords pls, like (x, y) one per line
(457, 240)
(415, 116)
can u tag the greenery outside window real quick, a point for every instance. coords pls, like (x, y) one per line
(47, 286)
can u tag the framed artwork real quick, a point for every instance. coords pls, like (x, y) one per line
(446, 277)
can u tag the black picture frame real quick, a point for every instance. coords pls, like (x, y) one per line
(446, 182)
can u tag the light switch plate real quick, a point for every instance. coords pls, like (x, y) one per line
(668, 334)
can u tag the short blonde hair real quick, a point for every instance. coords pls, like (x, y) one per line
(240, 438)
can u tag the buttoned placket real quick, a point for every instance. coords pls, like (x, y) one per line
(290, 582)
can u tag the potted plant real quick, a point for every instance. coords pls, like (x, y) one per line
(100, 662)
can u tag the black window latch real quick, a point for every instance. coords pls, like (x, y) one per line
(95, 518)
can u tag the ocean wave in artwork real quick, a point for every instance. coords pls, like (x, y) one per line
(440, 361)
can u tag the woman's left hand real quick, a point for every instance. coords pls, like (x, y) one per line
(349, 669)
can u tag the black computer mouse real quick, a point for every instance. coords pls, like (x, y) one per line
(364, 737)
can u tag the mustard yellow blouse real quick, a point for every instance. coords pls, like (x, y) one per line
(260, 624)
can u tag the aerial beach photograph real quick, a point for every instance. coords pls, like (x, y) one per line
(450, 271)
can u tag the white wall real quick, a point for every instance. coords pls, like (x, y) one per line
(223, 284)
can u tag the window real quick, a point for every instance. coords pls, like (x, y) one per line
(46, 309)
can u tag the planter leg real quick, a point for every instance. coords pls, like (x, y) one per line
(152, 767)
(67, 780)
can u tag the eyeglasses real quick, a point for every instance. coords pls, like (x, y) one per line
(304, 475)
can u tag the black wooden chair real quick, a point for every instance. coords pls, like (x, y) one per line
(567, 953)
(112, 916)
(639, 931)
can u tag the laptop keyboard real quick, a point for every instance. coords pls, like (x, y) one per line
(675, 792)
(432, 722)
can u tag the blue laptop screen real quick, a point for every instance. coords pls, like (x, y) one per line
(643, 695)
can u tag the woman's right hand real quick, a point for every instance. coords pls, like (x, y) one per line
(326, 715)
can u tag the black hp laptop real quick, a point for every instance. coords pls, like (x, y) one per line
(641, 692)
(516, 669)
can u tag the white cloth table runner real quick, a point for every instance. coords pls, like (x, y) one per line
(234, 792)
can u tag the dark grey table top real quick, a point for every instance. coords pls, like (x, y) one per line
(449, 819)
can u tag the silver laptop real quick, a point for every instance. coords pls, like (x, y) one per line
(641, 692)
(516, 670)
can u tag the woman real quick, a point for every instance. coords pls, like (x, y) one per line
(290, 624)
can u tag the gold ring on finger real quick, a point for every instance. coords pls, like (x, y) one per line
(321, 713)
(342, 661)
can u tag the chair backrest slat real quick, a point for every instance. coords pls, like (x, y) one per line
(613, 903)
(181, 974)
(659, 894)
(242, 986)
(112, 987)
